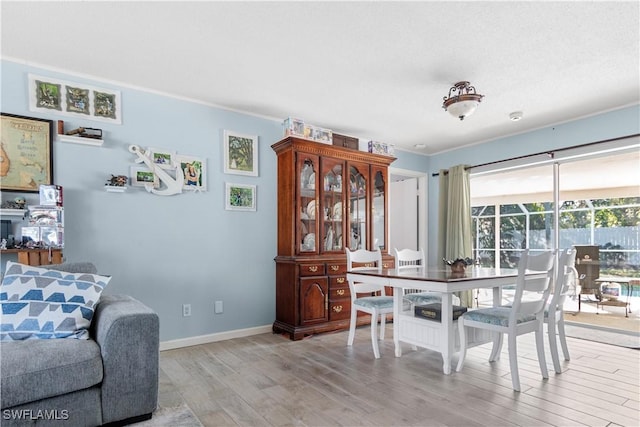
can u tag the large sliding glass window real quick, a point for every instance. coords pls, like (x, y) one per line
(599, 204)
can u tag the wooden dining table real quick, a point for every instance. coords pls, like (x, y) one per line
(440, 336)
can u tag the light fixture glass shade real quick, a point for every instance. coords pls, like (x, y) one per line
(462, 109)
(462, 101)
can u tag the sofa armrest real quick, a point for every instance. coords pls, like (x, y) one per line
(128, 334)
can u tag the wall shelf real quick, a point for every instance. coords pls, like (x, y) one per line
(115, 188)
(81, 140)
(13, 212)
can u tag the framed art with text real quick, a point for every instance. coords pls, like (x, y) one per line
(27, 153)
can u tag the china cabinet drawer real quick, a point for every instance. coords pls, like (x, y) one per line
(334, 268)
(312, 269)
(338, 282)
(340, 309)
(336, 293)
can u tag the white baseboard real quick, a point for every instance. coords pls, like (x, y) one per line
(221, 336)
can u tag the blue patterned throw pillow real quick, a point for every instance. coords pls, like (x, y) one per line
(38, 303)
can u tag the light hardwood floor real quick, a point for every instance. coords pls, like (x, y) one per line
(269, 380)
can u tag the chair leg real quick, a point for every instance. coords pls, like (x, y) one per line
(513, 361)
(540, 347)
(553, 344)
(563, 338)
(497, 347)
(374, 335)
(463, 344)
(383, 319)
(352, 326)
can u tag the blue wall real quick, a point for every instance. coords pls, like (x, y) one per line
(166, 251)
(605, 126)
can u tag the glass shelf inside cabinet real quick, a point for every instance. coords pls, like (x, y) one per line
(332, 207)
(308, 208)
(357, 209)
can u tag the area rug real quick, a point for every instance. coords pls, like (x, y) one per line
(602, 334)
(178, 416)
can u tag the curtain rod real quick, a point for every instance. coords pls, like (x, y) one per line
(550, 153)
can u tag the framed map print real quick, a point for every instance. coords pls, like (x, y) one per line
(26, 153)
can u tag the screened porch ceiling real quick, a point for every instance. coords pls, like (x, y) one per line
(610, 176)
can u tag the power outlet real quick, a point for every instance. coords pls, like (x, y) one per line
(186, 310)
(217, 307)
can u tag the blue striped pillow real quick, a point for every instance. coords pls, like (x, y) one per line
(38, 303)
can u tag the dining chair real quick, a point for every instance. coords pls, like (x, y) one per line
(554, 313)
(411, 259)
(523, 316)
(367, 297)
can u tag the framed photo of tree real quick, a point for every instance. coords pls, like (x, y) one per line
(240, 153)
(26, 153)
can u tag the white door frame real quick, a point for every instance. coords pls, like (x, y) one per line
(422, 204)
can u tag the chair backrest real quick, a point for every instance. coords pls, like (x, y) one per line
(409, 258)
(363, 259)
(566, 273)
(539, 287)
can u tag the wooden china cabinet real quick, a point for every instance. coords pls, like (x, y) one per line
(329, 198)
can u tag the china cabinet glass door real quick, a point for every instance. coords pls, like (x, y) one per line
(331, 225)
(357, 228)
(307, 166)
(378, 220)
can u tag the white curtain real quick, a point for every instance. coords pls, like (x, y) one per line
(454, 219)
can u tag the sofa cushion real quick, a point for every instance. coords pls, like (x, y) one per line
(43, 303)
(31, 370)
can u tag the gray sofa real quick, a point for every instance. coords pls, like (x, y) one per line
(109, 379)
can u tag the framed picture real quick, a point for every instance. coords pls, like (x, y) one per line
(240, 154)
(27, 153)
(195, 172)
(48, 95)
(163, 158)
(240, 197)
(140, 176)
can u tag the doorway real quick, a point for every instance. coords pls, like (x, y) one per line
(407, 209)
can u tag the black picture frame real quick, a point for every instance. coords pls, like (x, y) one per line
(26, 157)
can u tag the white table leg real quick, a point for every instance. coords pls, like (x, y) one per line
(448, 332)
(397, 308)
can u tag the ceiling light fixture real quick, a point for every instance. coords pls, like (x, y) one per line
(462, 100)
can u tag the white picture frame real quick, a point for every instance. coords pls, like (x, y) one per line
(240, 153)
(141, 176)
(195, 172)
(165, 159)
(240, 197)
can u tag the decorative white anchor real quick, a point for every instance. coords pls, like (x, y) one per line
(174, 186)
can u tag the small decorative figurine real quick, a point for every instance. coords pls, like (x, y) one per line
(17, 203)
(458, 265)
(117, 180)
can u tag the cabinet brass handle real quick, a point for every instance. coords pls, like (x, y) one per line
(385, 265)
(340, 280)
(335, 267)
(313, 268)
(337, 308)
(340, 292)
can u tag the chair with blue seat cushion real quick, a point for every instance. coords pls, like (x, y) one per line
(566, 275)
(411, 259)
(367, 297)
(525, 315)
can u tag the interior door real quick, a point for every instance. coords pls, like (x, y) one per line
(403, 214)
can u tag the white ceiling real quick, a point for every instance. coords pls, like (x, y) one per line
(375, 70)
